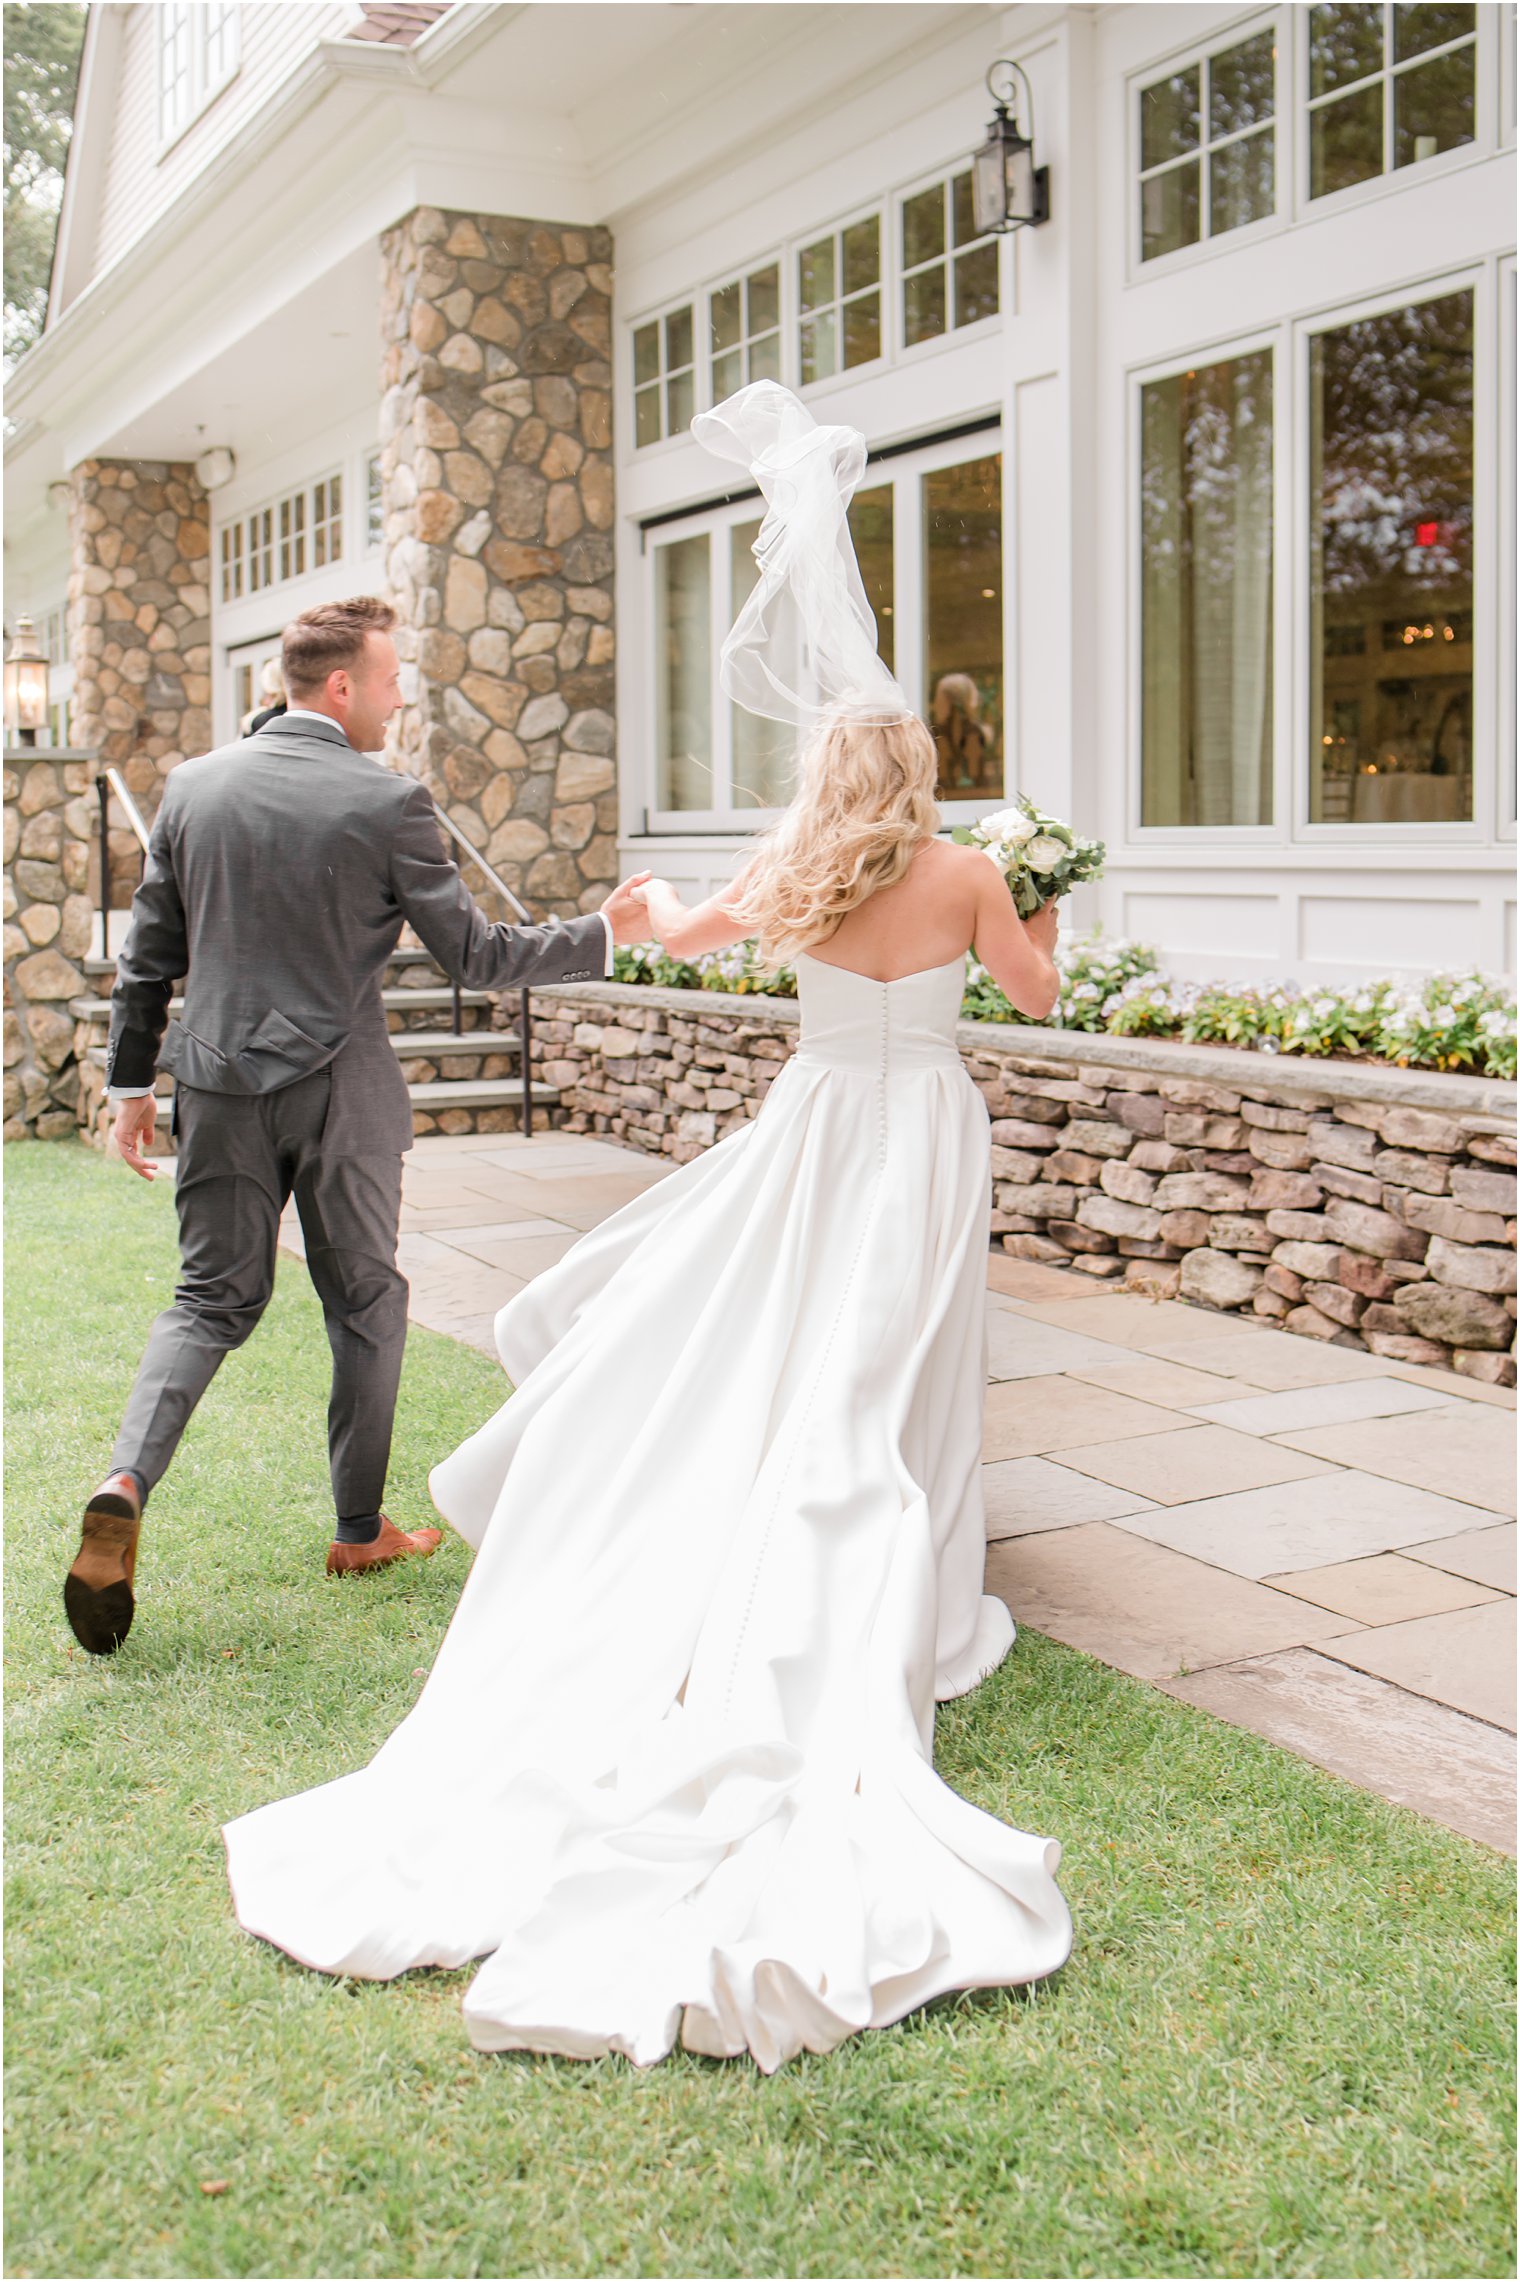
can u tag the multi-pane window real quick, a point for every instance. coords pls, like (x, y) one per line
(744, 330)
(839, 300)
(949, 274)
(327, 522)
(197, 55)
(232, 561)
(938, 625)
(374, 505)
(1391, 566)
(1389, 86)
(664, 376)
(292, 513)
(301, 531)
(1206, 595)
(1207, 146)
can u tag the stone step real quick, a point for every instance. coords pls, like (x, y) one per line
(429, 1045)
(477, 1093)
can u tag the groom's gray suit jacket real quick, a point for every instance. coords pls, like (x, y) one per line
(280, 872)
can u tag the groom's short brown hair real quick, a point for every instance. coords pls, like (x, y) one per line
(321, 640)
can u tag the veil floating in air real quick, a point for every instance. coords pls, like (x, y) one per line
(804, 644)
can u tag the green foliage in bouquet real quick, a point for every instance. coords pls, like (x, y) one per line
(1038, 855)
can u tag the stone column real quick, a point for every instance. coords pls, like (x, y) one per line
(48, 928)
(496, 427)
(140, 626)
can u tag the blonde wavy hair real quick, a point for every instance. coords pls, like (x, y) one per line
(864, 805)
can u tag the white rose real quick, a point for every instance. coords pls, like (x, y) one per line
(998, 827)
(1044, 853)
(1021, 831)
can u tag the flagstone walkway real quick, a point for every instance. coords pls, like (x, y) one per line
(1305, 1541)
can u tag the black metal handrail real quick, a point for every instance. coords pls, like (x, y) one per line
(110, 780)
(525, 1011)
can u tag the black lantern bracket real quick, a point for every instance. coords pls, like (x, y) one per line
(1008, 191)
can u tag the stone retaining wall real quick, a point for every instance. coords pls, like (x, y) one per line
(50, 814)
(1361, 1205)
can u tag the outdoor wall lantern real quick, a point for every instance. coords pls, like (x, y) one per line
(26, 685)
(1008, 191)
(216, 467)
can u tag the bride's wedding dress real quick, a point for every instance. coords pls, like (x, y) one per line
(670, 1776)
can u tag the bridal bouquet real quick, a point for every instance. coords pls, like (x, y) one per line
(1038, 855)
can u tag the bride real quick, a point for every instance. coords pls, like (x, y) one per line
(671, 1774)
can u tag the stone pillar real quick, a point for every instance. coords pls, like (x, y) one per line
(496, 427)
(140, 627)
(48, 928)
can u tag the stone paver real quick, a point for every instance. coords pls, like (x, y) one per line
(1021, 1494)
(1142, 1607)
(1300, 1539)
(1385, 1588)
(1062, 1414)
(1464, 1658)
(1298, 1408)
(1463, 1452)
(1456, 1770)
(1339, 1516)
(1191, 1462)
(1486, 1555)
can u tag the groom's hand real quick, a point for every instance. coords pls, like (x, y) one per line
(627, 912)
(132, 1134)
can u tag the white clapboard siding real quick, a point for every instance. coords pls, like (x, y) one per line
(139, 183)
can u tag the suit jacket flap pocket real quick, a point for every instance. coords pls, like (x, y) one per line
(194, 1062)
(280, 1051)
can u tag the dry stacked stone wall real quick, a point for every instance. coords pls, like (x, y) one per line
(1367, 1207)
(49, 916)
(139, 630)
(497, 479)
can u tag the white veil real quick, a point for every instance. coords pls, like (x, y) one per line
(804, 643)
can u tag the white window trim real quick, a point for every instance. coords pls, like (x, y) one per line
(1478, 277)
(881, 210)
(1504, 600)
(1493, 615)
(1179, 836)
(698, 368)
(203, 89)
(953, 336)
(707, 386)
(1293, 206)
(1244, 27)
(1395, 178)
(903, 470)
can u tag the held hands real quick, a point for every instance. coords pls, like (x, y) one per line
(132, 1134)
(626, 909)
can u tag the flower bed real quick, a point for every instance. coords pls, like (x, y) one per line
(1450, 1022)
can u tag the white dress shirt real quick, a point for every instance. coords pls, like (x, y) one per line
(310, 713)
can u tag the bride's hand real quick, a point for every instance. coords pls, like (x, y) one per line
(1044, 926)
(642, 894)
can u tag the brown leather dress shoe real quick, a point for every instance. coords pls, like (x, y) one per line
(97, 1592)
(392, 1544)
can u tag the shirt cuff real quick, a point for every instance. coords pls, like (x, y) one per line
(128, 1093)
(607, 923)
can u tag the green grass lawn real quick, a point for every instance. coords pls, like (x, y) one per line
(1282, 2044)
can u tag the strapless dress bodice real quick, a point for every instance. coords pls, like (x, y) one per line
(850, 1021)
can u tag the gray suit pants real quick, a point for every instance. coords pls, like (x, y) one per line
(240, 1159)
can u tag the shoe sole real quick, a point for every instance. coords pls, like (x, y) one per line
(367, 1568)
(100, 1617)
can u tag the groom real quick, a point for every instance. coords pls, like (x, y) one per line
(280, 872)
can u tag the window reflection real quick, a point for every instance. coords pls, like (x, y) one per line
(683, 686)
(1391, 443)
(1206, 595)
(762, 749)
(963, 625)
